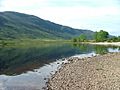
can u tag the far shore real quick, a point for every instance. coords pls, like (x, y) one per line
(106, 43)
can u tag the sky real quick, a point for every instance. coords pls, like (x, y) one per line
(93, 15)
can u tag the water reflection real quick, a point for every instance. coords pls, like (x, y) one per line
(98, 49)
(21, 65)
(101, 49)
(17, 60)
(84, 48)
(14, 60)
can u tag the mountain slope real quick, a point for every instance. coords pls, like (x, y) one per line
(16, 25)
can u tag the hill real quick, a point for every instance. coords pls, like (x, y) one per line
(14, 25)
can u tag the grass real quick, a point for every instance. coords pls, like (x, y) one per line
(30, 42)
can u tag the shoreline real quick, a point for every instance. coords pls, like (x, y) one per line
(92, 73)
(106, 43)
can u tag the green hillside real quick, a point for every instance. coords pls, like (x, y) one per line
(14, 25)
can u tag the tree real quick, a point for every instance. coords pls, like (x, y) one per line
(119, 38)
(101, 36)
(115, 39)
(82, 38)
(74, 40)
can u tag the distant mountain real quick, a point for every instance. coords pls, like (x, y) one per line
(14, 25)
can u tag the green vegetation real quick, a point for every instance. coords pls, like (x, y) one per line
(19, 26)
(14, 25)
(101, 36)
(81, 38)
(114, 39)
(29, 42)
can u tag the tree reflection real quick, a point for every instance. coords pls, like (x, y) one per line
(100, 49)
(84, 48)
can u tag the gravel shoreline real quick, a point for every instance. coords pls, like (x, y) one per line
(100, 72)
(107, 43)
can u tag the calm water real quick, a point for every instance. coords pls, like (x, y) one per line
(26, 68)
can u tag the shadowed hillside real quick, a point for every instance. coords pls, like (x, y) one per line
(14, 25)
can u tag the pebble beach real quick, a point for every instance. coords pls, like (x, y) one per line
(101, 72)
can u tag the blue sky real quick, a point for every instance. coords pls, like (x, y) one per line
(82, 14)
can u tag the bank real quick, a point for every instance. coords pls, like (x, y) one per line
(100, 72)
(106, 43)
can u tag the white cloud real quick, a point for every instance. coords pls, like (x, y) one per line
(21, 4)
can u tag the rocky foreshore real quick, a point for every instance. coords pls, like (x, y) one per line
(100, 72)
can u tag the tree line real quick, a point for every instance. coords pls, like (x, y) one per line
(100, 36)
